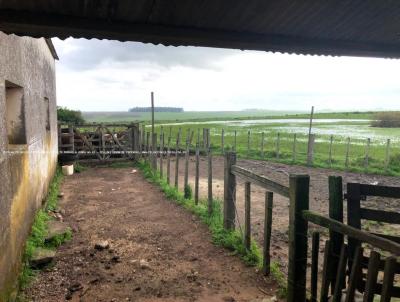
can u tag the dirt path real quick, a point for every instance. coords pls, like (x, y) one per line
(279, 173)
(140, 224)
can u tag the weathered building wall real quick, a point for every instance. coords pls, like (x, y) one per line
(27, 75)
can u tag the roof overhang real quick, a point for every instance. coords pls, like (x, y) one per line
(330, 27)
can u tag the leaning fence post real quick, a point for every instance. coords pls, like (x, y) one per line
(196, 183)
(298, 240)
(269, 200)
(366, 158)
(161, 153)
(387, 157)
(229, 191)
(310, 152)
(247, 216)
(346, 164)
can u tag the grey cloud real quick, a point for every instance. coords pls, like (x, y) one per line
(88, 54)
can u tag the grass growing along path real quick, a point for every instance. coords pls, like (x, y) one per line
(230, 239)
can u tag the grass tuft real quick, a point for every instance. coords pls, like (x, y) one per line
(39, 230)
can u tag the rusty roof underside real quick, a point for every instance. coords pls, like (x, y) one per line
(316, 27)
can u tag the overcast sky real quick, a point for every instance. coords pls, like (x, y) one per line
(95, 75)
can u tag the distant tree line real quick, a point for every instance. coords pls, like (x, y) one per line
(156, 109)
(66, 115)
(387, 120)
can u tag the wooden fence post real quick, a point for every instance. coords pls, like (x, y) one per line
(186, 179)
(387, 157)
(335, 212)
(294, 147)
(278, 143)
(210, 191)
(262, 145)
(196, 183)
(169, 136)
(168, 165)
(229, 191)
(154, 152)
(248, 144)
(161, 153)
(234, 141)
(222, 141)
(269, 201)
(346, 163)
(310, 150)
(177, 159)
(366, 158)
(148, 145)
(330, 150)
(298, 240)
(247, 216)
(143, 137)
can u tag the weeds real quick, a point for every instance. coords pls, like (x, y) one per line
(188, 194)
(230, 239)
(39, 230)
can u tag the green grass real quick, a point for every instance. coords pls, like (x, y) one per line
(229, 239)
(39, 229)
(377, 149)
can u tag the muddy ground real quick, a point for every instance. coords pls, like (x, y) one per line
(158, 251)
(280, 173)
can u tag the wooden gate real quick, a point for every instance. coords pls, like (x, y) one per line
(102, 142)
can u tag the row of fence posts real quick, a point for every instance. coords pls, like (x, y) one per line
(310, 148)
(152, 152)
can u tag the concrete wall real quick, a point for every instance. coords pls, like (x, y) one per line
(25, 169)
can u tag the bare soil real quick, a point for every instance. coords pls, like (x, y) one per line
(280, 173)
(179, 262)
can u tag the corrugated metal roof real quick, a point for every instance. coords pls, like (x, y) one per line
(322, 27)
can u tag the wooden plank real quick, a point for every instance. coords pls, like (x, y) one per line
(372, 276)
(389, 237)
(269, 202)
(161, 153)
(340, 275)
(229, 191)
(353, 214)
(247, 215)
(325, 277)
(196, 184)
(314, 266)
(388, 279)
(298, 241)
(335, 212)
(210, 189)
(177, 158)
(261, 181)
(168, 165)
(350, 231)
(186, 178)
(355, 275)
(382, 191)
(379, 215)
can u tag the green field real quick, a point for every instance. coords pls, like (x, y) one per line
(357, 130)
(341, 125)
(112, 117)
